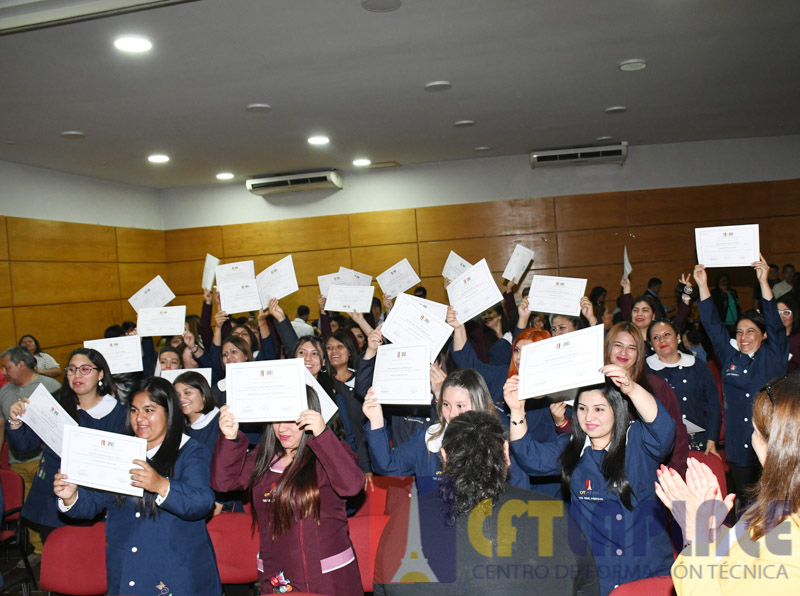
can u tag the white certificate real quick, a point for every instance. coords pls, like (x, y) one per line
(727, 246)
(518, 263)
(231, 273)
(123, 354)
(268, 391)
(563, 362)
(171, 375)
(437, 309)
(473, 292)
(102, 460)
(691, 427)
(47, 418)
(454, 266)
(167, 320)
(342, 278)
(402, 374)
(626, 263)
(326, 404)
(398, 278)
(209, 272)
(277, 281)
(557, 295)
(411, 324)
(361, 279)
(154, 294)
(349, 298)
(239, 297)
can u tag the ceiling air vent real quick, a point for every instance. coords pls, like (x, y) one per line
(580, 156)
(295, 183)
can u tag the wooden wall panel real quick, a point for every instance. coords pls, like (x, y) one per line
(496, 251)
(598, 247)
(698, 204)
(184, 277)
(306, 295)
(132, 276)
(63, 324)
(784, 197)
(3, 239)
(126, 312)
(56, 283)
(288, 235)
(193, 243)
(784, 235)
(8, 335)
(135, 245)
(383, 227)
(377, 259)
(5, 284)
(308, 265)
(659, 243)
(43, 240)
(61, 354)
(476, 220)
(585, 212)
(193, 304)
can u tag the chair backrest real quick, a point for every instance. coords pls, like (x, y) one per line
(375, 502)
(236, 546)
(716, 465)
(13, 487)
(74, 560)
(4, 456)
(652, 586)
(365, 534)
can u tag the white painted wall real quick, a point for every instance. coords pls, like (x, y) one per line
(38, 193)
(492, 178)
(34, 192)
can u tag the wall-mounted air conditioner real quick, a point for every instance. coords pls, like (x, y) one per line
(580, 156)
(295, 182)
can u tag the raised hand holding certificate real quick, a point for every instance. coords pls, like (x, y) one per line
(239, 297)
(100, 459)
(518, 263)
(727, 246)
(277, 281)
(563, 362)
(557, 295)
(231, 273)
(360, 279)
(168, 320)
(398, 278)
(349, 298)
(154, 294)
(402, 374)
(409, 323)
(473, 292)
(454, 266)
(123, 354)
(209, 272)
(47, 418)
(342, 278)
(268, 391)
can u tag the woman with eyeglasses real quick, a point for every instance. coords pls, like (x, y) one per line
(788, 311)
(760, 553)
(90, 397)
(761, 354)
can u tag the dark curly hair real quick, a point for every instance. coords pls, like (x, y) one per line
(476, 463)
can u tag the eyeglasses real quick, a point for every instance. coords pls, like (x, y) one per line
(768, 388)
(84, 370)
(785, 313)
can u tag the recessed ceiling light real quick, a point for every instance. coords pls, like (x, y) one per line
(224, 176)
(633, 65)
(435, 86)
(483, 148)
(464, 123)
(73, 135)
(318, 140)
(361, 162)
(616, 110)
(133, 44)
(258, 108)
(380, 5)
(158, 158)
(603, 139)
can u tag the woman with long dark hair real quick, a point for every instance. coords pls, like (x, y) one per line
(790, 317)
(90, 398)
(199, 407)
(158, 541)
(608, 469)
(298, 476)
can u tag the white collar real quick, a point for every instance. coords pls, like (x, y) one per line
(205, 419)
(656, 364)
(152, 452)
(434, 445)
(735, 345)
(221, 384)
(102, 408)
(588, 442)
